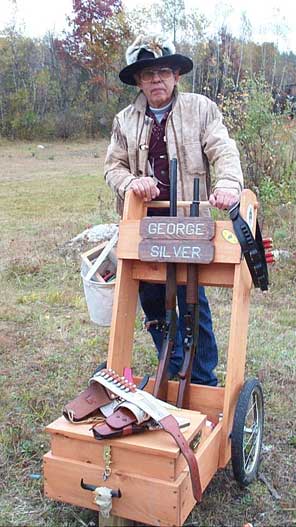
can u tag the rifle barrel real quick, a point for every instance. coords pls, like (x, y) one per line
(191, 318)
(194, 207)
(173, 187)
(161, 380)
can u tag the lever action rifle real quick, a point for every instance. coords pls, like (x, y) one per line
(170, 324)
(191, 318)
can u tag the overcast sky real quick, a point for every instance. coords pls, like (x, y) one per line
(40, 16)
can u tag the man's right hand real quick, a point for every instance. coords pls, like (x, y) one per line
(145, 188)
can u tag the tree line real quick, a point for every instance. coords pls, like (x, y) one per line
(68, 87)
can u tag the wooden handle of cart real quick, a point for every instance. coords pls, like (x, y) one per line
(166, 204)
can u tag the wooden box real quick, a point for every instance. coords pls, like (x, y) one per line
(149, 470)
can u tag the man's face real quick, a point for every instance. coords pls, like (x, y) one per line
(158, 84)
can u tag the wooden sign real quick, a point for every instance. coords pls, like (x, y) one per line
(188, 228)
(176, 251)
(177, 240)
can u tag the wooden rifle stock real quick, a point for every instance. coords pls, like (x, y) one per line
(191, 318)
(170, 326)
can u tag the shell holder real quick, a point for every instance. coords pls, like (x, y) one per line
(252, 248)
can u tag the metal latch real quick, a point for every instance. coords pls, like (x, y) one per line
(107, 461)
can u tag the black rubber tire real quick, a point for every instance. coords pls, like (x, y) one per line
(247, 432)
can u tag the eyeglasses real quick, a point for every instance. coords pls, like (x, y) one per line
(163, 73)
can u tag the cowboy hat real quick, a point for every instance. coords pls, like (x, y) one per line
(152, 51)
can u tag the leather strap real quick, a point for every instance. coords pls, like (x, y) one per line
(124, 423)
(170, 425)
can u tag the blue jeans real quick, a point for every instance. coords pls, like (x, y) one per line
(152, 298)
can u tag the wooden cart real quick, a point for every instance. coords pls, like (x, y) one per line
(148, 468)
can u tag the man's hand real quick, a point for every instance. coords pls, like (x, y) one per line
(145, 188)
(222, 199)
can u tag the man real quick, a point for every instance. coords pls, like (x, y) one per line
(159, 125)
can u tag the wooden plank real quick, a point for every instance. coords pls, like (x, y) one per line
(236, 357)
(68, 490)
(132, 461)
(180, 204)
(146, 500)
(125, 299)
(227, 248)
(134, 207)
(201, 397)
(212, 274)
(176, 251)
(93, 253)
(114, 521)
(207, 458)
(152, 443)
(123, 318)
(177, 228)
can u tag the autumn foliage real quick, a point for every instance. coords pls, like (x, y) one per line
(98, 30)
(68, 86)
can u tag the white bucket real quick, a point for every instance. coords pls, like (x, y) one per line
(99, 298)
(99, 294)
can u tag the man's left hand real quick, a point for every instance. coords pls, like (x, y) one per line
(222, 199)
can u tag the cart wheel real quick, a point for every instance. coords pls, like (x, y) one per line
(247, 432)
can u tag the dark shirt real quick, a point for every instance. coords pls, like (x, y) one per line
(159, 162)
(157, 156)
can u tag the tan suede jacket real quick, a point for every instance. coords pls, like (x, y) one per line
(195, 135)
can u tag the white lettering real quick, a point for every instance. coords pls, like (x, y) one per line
(171, 228)
(154, 251)
(161, 228)
(152, 228)
(177, 250)
(162, 252)
(191, 229)
(186, 252)
(165, 255)
(199, 229)
(180, 229)
(196, 252)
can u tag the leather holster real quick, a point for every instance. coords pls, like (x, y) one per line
(87, 403)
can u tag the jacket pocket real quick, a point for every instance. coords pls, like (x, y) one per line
(194, 166)
(193, 158)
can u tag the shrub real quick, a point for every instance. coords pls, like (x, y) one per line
(264, 138)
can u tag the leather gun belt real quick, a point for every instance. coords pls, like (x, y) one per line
(159, 411)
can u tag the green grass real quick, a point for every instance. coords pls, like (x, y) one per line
(49, 347)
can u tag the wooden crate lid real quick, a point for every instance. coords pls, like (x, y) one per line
(153, 442)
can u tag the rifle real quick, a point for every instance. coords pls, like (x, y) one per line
(191, 318)
(170, 324)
